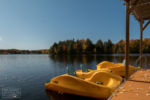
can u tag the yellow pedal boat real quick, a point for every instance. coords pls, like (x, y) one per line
(117, 68)
(99, 85)
(89, 73)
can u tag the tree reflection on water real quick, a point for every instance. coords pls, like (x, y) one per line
(87, 59)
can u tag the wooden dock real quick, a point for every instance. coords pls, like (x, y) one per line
(136, 88)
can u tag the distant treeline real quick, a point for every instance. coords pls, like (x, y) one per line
(86, 46)
(15, 51)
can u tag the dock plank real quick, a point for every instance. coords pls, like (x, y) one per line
(136, 88)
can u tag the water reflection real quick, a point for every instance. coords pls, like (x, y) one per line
(57, 96)
(87, 59)
(69, 59)
(31, 72)
(84, 59)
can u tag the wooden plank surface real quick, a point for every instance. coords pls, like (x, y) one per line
(136, 88)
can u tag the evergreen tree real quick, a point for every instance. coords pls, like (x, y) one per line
(90, 46)
(99, 47)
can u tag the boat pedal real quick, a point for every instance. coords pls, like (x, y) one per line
(110, 71)
(98, 82)
(55, 82)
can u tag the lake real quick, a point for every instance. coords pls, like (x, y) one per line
(29, 73)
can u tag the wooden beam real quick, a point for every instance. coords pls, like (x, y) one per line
(146, 25)
(141, 43)
(127, 0)
(133, 6)
(127, 40)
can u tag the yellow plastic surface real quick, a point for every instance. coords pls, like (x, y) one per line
(117, 68)
(86, 75)
(100, 85)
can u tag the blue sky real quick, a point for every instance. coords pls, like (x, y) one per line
(37, 24)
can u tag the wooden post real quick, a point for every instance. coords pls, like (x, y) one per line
(141, 43)
(127, 40)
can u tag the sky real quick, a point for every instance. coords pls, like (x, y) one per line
(37, 24)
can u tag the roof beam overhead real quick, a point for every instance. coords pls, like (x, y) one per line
(140, 9)
(134, 5)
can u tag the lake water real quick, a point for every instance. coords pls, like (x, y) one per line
(29, 73)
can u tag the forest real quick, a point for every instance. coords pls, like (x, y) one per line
(86, 46)
(16, 51)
